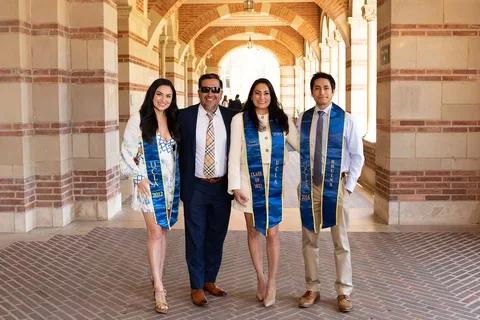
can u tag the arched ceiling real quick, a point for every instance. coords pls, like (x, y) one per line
(283, 55)
(215, 35)
(204, 24)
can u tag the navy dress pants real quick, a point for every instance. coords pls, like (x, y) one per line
(207, 215)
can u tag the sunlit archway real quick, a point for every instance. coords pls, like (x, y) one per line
(241, 67)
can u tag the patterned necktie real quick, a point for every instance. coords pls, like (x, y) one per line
(317, 157)
(209, 161)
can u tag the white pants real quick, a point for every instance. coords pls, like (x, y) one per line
(343, 263)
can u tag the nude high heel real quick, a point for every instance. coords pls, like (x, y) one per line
(161, 305)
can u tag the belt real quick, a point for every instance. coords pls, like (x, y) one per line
(211, 180)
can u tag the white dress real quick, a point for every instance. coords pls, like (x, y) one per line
(238, 175)
(132, 140)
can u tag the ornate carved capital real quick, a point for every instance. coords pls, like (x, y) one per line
(369, 12)
(163, 40)
(337, 36)
(331, 42)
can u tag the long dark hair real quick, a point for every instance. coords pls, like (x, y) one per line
(275, 112)
(149, 124)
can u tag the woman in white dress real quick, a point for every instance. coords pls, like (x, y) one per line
(255, 176)
(149, 158)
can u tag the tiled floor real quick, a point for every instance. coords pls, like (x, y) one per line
(98, 270)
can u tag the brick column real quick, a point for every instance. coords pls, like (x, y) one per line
(324, 57)
(17, 167)
(356, 69)
(174, 68)
(341, 79)
(52, 140)
(299, 87)
(192, 81)
(162, 40)
(137, 69)
(287, 88)
(428, 127)
(307, 75)
(95, 109)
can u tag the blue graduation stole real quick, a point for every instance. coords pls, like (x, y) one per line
(332, 170)
(267, 204)
(157, 191)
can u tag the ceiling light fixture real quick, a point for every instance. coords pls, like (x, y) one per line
(248, 5)
(249, 43)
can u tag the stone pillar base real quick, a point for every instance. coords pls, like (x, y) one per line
(20, 222)
(126, 188)
(427, 212)
(98, 210)
(55, 217)
(368, 177)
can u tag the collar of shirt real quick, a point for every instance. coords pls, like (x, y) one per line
(326, 110)
(203, 112)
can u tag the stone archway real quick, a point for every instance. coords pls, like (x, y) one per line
(213, 36)
(290, 17)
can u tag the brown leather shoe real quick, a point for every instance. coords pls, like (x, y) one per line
(198, 297)
(344, 303)
(308, 299)
(212, 288)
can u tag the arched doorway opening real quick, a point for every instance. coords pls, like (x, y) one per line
(241, 67)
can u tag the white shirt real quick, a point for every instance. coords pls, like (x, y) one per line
(220, 142)
(352, 144)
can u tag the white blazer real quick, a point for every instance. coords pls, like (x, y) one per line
(238, 177)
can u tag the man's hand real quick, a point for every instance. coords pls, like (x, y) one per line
(240, 197)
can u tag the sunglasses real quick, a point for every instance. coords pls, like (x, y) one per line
(212, 89)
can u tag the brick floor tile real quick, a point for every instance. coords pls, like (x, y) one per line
(104, 275)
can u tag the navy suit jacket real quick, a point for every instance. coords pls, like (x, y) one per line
(187, 119)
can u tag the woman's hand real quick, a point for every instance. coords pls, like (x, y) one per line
(240, 197)
(143, 188)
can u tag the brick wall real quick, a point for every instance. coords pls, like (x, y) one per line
(428, 185)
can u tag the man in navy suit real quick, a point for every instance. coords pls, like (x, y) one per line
(205, 141)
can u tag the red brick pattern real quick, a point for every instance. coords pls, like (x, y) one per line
(57, 191)
(428, 30)
(96, 185)
(128, 58)
(427, 126)
(130, 86)
(105, 274)
(428, 75)
(139, 5)
(17, 194)
(53, 190)
(56, 29)
(122, 34)
(56, 128)
(369, 154)
(195, 18)
(428, 185)
(165, 8)
(55, 75)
